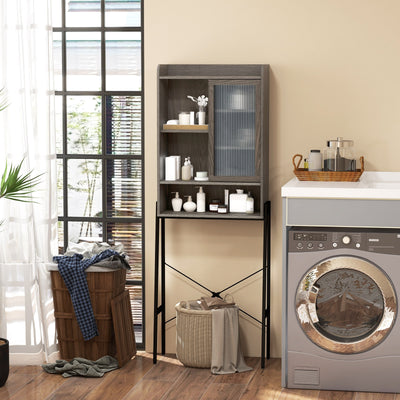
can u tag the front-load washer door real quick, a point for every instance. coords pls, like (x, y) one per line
(346, 304)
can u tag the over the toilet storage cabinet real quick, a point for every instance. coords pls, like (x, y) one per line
(233, 145)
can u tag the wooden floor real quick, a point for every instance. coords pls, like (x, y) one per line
(168, 379)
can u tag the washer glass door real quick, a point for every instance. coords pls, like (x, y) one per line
(346, 304)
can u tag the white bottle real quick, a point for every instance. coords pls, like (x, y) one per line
(186, 170)
(177, 202)
(201, 200)
(249, 204)
(315, 161)
(189, 206)
(191, 168)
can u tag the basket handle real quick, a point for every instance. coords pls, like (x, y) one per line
(296, 166)
(362, 163)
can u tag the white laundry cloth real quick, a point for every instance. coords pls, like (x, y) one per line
(226, 356)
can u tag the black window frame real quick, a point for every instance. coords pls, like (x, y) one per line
(64, 156)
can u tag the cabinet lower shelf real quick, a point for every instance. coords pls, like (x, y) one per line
(209, 215)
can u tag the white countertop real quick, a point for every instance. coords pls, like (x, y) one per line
(372, 185)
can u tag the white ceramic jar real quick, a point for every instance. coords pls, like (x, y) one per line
(315, 160)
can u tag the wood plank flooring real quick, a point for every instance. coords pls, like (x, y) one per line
(167, 380)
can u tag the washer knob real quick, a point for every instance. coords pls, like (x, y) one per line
(346, 239)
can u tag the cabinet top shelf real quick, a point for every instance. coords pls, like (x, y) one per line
(211, 71)
(211, 77)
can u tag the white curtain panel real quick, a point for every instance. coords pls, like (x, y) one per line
(28, 234)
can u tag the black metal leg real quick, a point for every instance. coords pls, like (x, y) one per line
(156, 271)
(163, 286)
(268, 244)
(266, 284)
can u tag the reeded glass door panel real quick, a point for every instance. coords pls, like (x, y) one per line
(124, 130)
(83, 60)
(123, 61)
(236, 129)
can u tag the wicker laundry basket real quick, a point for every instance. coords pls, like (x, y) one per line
(193, 336)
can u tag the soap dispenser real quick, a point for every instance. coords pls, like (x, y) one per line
(201, 200)
(186, 170)
(249, 204)
(189, 206)
(177, 202)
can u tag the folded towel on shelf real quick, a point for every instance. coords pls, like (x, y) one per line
(226, 356)
(82, 367)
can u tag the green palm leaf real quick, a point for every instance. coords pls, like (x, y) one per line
(17, 187)
(3, 99)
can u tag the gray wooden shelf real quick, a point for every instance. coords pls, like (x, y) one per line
(192, 182)
(209, 215)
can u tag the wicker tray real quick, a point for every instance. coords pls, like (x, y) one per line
(332, 176)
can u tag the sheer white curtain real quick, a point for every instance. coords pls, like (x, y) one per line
(28, 237)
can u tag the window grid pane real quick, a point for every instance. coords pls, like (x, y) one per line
(124, 125)
(99, 134)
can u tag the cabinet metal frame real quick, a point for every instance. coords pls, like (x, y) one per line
(160, 290)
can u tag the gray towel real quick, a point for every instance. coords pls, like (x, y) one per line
(226, 356)
(82, 367)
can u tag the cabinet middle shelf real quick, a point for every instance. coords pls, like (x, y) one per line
(210, 183)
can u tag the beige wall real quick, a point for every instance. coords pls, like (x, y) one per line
(335, 71)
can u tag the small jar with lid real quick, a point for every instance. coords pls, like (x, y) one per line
(213, 206)
(315, 161)
(339, 155)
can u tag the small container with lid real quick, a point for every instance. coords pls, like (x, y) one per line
(213, 206)
(315, 161)
(339, 156)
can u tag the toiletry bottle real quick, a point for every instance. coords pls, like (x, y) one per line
(191, 168)
(189, 206)
(186, 170)
(176, 202)
(201, 200)
(306, 163)
(249, 204)
(315, 161)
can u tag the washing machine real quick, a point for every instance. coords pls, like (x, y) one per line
(342, 330)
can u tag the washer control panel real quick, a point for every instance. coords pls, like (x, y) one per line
(318, 239)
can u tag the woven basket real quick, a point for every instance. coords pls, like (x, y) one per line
(332, 176)
(103, 287)
(193, 336)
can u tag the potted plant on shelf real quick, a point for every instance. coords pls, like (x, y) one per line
(17, 187)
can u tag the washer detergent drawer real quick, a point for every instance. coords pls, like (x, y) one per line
(342, 212)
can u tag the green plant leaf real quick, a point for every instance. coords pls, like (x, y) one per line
(17, 187)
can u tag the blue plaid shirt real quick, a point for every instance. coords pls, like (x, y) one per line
(72, 270)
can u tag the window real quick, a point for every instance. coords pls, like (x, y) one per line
(98, 53)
